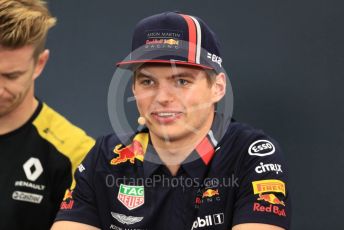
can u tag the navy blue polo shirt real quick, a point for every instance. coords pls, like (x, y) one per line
(239, 178)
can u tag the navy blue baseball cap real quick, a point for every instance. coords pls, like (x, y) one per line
(172, 37)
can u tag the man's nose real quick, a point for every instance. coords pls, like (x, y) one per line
(165, 94)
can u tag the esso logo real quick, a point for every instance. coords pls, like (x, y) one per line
(261, 148)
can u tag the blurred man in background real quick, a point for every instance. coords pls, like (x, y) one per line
(39, 148)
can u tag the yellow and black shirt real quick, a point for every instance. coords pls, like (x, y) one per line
(37, 164)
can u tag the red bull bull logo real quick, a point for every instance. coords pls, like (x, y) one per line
(131, 152)
(162, 41)
(68, 194)
(210, 193)
(266, 189)
(68, 201)
(171, 42)
(270, 198)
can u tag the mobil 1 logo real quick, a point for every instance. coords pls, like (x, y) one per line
(261, 148)
(207, 221)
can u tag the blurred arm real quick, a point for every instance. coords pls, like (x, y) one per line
(256, 226)
(70, 225)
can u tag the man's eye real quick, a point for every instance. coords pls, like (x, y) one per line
(182, 82)
(146, 82)
(12, 76)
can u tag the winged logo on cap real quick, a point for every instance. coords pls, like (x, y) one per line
(126, 219)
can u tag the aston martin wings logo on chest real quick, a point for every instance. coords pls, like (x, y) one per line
(126, 219)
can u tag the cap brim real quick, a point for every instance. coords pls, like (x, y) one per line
(132, 64)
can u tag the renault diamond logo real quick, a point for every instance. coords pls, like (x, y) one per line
(33, 168)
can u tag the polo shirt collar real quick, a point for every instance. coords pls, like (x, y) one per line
(195, 165)
(151, 161)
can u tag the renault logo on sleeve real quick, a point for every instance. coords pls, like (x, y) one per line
(32, 168)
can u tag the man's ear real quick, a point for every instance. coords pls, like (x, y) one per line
(40, 63)
(219, 87)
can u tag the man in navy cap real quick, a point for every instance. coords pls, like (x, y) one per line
(189, 166)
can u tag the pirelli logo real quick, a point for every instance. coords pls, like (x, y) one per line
(262, 186)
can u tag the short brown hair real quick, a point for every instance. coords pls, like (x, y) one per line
(211, 76)
(24, 22)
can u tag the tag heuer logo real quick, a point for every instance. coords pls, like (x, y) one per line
(131, 196)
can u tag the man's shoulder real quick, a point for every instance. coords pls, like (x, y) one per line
(243, 131)
(60, 132)
(49, 117)
(243, 137)
(107, 144)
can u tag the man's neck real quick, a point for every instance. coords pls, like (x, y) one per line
(173, 153)
(19, 116)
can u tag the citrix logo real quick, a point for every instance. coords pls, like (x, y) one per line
(277, 168)
(208, 220)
